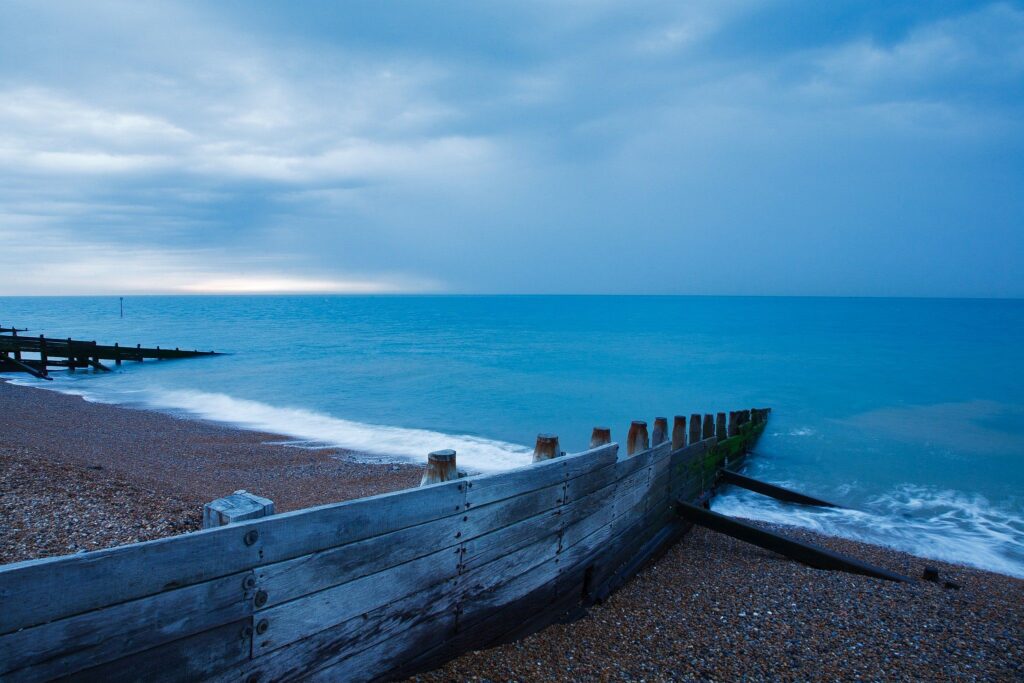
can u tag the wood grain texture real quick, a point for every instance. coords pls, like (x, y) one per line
(312, 613)
(96, 637)
(35, 592)
(194, 658)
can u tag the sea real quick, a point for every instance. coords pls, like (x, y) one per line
(907, 412)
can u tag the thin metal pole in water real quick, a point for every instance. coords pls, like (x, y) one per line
(122, 306)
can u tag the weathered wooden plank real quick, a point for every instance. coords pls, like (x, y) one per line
(92, 638)
(534, 599)
(631, 491)
(35, 591)
(583, 485)
(284, 581)
(587, 538)
(484, 589)
(484, 489)
(393, 624)
(589, 514)
(636, 520)
(488, 547)
(370, 664)
(626, 466)
(621, 548)
(479, 605)
(291, 579)
(310, 614)
(194, 658)
(493, 516)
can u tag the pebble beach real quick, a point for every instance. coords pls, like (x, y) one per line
(81, 476)
(76, 475)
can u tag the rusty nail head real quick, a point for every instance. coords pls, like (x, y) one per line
(253, 678)
(261, 598)
(249, 582)
(251, 536)
(247, 632)
(262, 626)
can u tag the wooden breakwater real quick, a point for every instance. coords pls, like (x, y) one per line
(374, 588)
(36, 355)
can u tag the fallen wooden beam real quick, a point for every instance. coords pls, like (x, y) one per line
(777, 492)
(24, 367)
(97, 365)
(808, 553)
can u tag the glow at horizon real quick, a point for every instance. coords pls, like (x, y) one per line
(740, 147)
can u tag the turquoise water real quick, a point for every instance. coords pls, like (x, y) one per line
(909, 411)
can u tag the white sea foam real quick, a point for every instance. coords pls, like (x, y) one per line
(939, 524)
(475, 454)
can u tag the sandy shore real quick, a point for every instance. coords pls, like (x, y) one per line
(79, 476)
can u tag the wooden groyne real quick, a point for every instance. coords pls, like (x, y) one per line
(36, 355)
(376, 588)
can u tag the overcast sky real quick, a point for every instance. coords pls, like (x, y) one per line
(819, 148)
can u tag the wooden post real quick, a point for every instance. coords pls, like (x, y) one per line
(43, 359)
(660, 434)
(636, 441)
(440, 467)
(709, 426)
(139, 348)
(678, 432)
(734, 427)
(694, 428)
(117, 353)
(17, 350)
(237, 507)
(600, 436)
(546, 448)
(720, 426)
(71, 357)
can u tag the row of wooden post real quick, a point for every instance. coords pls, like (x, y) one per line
(441, 464)
(73, 358)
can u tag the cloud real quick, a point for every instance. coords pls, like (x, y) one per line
(511, 148)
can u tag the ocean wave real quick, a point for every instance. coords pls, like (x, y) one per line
(940, 524)
(308, 428)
